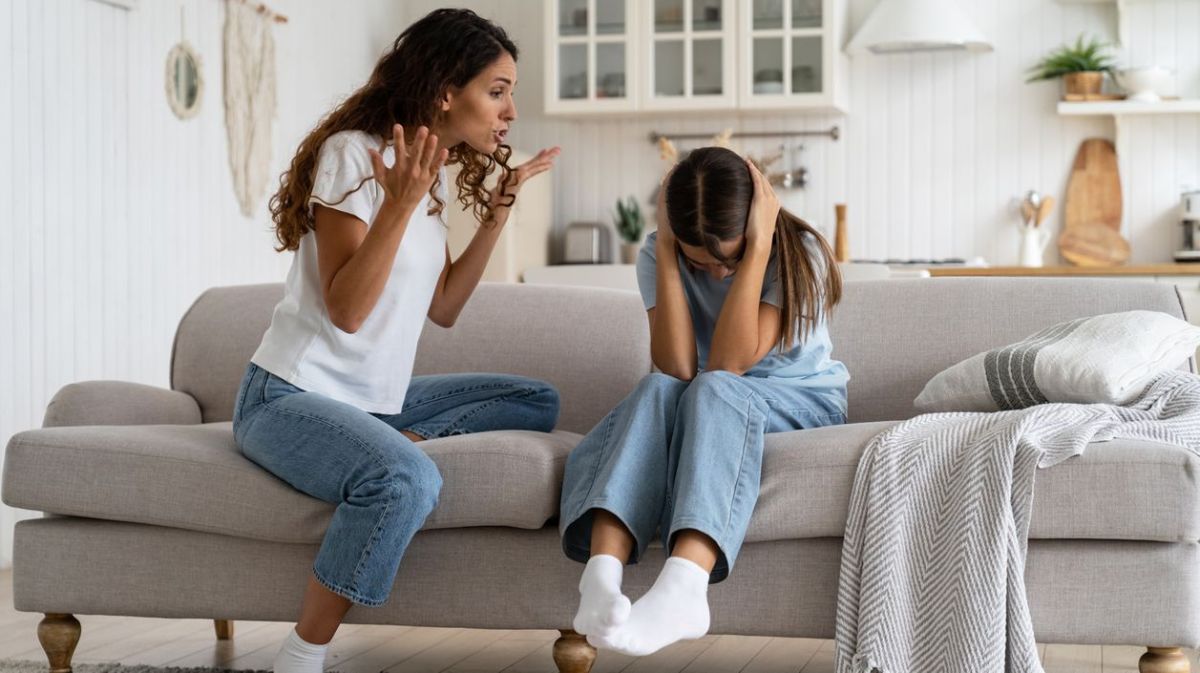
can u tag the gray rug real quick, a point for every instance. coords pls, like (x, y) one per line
(26, 666)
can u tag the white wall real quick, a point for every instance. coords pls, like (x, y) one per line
(935, 147)
(114, 214)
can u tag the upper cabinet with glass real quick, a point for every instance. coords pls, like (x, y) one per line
(689, 53)
(590, 56)
(678, 55)
(791, 54)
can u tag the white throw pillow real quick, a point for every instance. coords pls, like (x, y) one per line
(1107, 358)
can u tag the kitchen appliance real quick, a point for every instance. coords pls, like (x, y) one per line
(1190, 208)
(587, 243)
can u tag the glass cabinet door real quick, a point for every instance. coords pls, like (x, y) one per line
(690, 45)
(784, 56)
(591, 55)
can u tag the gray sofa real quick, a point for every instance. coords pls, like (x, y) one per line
(153, 512)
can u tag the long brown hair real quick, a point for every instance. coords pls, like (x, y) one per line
(708, 202)
(447, 48)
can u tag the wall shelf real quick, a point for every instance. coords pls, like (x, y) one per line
(1127, 107)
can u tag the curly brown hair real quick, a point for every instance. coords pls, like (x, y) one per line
(405, 88)
(708, 201)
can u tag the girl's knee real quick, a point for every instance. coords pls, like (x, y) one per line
(659, 383)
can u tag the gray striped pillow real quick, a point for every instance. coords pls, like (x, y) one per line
(1107, 358)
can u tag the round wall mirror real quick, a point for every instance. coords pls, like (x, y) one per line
(185, 84)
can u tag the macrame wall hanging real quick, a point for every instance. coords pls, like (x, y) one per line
(249, 97)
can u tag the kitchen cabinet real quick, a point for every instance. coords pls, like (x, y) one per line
(688, 48)
(791, 54)
(622, 56)
(591, 56)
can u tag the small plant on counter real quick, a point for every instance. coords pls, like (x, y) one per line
(629, 221)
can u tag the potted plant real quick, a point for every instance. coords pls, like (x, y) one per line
(1081, 66)
(630, 225)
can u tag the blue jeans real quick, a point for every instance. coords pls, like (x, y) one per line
(677, 455)
(382, 483)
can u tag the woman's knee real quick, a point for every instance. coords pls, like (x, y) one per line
(406, 476)
(539, 398)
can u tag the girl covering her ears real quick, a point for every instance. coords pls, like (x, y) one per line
(328, 403)
(737, 292)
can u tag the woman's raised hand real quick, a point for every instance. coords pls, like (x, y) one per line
(764, 211)
(541, 163)
(412, 174)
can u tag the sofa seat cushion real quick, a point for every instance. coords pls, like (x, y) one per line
(194, 477)
(1116, 490)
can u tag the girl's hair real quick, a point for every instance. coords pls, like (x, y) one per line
(447, 48)
(708, 201)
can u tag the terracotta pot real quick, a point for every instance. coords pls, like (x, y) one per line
(629, 252)
(1083, 83)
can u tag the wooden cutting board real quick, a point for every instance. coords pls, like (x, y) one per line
(1092, 213)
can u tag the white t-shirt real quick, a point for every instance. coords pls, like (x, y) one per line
(371, 368)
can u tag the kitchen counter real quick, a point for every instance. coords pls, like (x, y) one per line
(1130, 270)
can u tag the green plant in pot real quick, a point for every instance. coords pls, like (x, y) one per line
(630, 225)
(1081, 66)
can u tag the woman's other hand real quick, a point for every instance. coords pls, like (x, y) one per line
(541, 163)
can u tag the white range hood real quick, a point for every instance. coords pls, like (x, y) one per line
(902, 26)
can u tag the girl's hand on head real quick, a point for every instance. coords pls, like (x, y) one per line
(764, 211)
(666, 237)
(409, 178)
(541, 163)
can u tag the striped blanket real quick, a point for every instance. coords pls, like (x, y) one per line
(933, 561)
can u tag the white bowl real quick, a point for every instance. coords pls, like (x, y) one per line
(1145, 84)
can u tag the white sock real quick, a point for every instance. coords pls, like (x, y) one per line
(299, 656)
(602, 606)
(674, 609)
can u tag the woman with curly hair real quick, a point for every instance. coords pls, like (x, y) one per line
(328, 403)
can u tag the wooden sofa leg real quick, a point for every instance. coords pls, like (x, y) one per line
(572, 653)
(1164, 660)
(59, 634)
(224, 629)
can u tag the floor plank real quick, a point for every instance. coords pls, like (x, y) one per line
(784, 654)
(1072, 659)
(446, 653)
(1120, 658)
(393, 650)
(671, 659)
(822, 661)
(499, 655)
(727, 653)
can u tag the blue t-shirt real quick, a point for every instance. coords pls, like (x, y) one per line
(806, 363)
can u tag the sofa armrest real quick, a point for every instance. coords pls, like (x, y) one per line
(120, 403)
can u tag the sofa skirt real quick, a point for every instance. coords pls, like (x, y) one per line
(1081, 591)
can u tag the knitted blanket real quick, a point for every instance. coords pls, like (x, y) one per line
(933, 560)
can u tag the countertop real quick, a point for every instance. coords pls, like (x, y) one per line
(1138, 270)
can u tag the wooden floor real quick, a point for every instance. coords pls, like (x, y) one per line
(399, 649)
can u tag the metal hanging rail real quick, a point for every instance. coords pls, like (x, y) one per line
(833, 132)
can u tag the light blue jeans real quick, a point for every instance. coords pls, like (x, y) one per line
(383, 484)
(677, 455)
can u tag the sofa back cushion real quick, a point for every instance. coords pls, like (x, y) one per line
(895, 335)
(592, 344)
